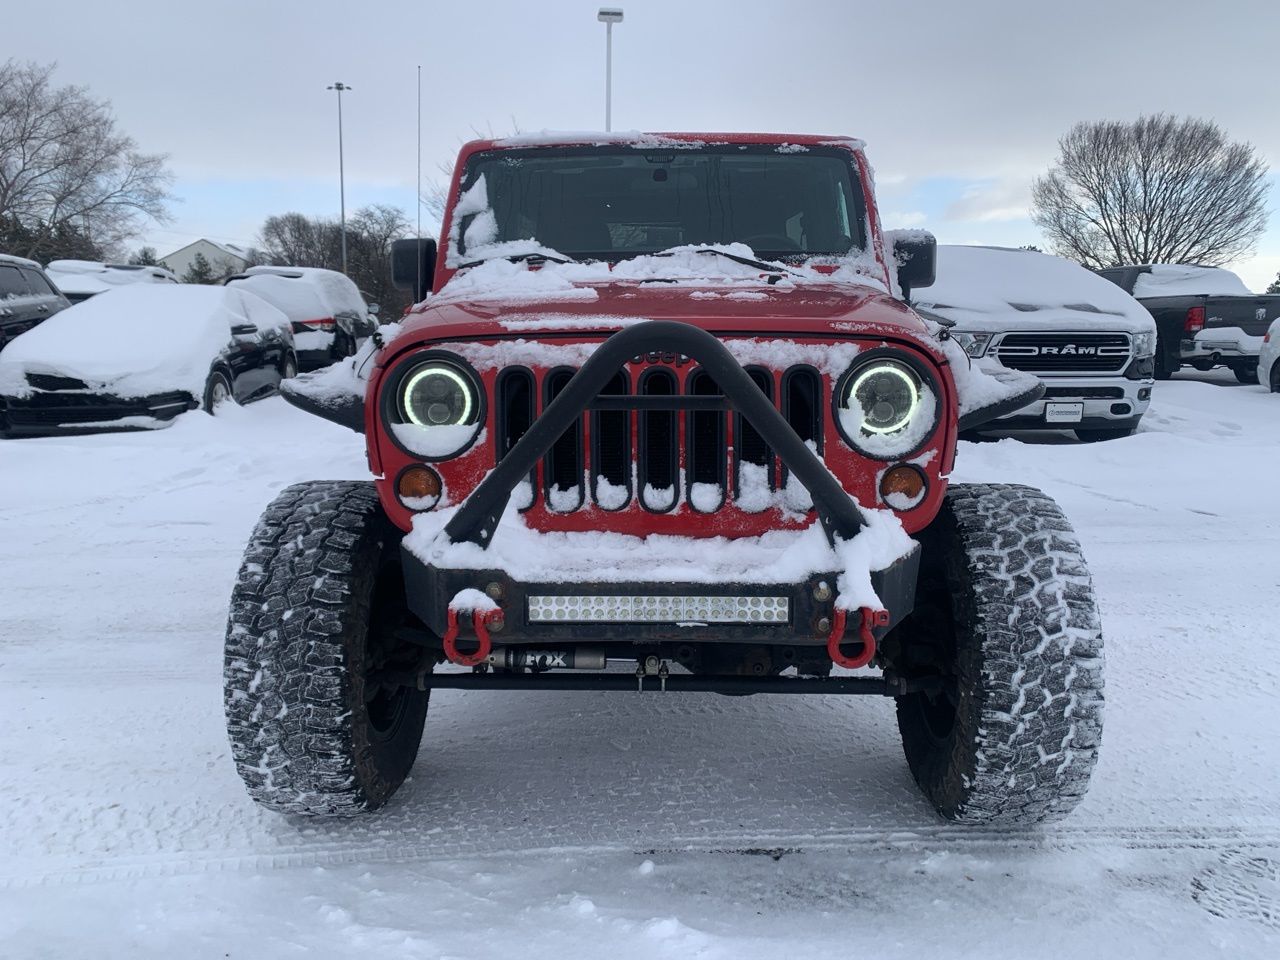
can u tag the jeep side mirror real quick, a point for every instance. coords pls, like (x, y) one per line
(916, 254)
(413, 266)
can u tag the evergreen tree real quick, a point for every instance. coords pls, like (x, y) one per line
(199, 271)
(1275, 285)
(146, 257)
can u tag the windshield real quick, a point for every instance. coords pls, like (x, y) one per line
(614, 202)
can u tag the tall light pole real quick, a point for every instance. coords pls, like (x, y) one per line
(342, 175)
(608, 16)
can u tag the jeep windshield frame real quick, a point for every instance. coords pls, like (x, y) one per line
(613, 202)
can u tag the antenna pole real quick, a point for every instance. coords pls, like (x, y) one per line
(418, 291)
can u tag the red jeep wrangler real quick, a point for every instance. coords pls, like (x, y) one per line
(664, 420)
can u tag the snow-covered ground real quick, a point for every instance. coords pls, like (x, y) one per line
(559, 825)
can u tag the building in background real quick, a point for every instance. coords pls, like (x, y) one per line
(225, 259)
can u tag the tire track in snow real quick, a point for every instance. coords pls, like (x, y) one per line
(856, 842)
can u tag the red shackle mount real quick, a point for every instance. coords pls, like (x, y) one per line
(480, 621)
(870, 619)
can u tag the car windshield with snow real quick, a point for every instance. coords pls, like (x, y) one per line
(137, 356)
(664, 420)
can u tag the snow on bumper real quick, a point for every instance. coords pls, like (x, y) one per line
(782, 587)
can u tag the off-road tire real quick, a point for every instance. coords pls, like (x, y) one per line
(210, 400)
(319, 591)
(1005, 612)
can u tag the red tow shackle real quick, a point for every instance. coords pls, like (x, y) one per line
(870, 618)
(480, 620)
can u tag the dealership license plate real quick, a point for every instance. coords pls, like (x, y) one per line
(1063, 412)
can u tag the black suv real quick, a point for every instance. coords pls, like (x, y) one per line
(26, 297)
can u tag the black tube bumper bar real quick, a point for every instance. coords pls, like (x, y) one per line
(478, 516)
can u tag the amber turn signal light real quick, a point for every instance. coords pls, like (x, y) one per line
(903, 487)
(419, 488)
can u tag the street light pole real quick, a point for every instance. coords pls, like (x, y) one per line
(608, 16)
(342, 176)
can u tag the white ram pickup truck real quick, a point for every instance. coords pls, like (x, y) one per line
(1091, 343)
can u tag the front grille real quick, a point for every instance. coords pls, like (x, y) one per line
(1085, 393)
(71, 409)
(1064, 352)
(45, 381)
(656, 459)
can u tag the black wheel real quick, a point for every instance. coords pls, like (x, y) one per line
(289, 368)
(1007, 626)
(1166, 366)
(1103, 433)
(1246, 372)
(314, 615)
(217, 391)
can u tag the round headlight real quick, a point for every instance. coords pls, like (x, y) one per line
(886, 408)
(437, 394)
(886, 394)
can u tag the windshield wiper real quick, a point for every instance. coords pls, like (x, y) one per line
(778, 270)
(520, 258)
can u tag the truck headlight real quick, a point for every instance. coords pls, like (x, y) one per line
(437, 394)
(1144, 344)
(885, 408)
(974, 344)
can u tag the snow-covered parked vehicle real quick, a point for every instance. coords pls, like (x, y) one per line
(1269, 358)
(1091, 343)
(27, 298)
(329, 314)
(78, 280)
(664, 422)
(1205, 316)
(137, 356)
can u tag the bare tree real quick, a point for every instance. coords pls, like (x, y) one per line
(1158, 190)
(66, 168)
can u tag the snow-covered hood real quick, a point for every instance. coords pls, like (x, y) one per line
(989, 290)
(511, 299)
(137, 340)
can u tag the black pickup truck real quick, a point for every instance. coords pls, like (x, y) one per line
(1205, 316)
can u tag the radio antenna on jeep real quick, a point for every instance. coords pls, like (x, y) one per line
(418, 205)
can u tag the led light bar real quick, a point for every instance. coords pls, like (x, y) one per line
(628, 609)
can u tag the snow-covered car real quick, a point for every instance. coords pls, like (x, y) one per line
(329, 315)
(1269, 358)
(78, 280)
(663, 407)
(137, 356)
(27, 298)
(1090, 342)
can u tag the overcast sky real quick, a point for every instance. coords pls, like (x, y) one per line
(960, 101)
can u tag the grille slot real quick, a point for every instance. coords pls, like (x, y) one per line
(707, 459)
(563, 466)
(611, 450)
(1064, 352)
(659, 445)
(749, 446)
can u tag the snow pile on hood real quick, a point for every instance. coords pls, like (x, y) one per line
(779, 556)
(303, 293)
(138, 340)
(89, 278)
(992, 290)
(1179, 280)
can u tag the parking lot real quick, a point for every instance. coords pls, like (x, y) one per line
(690, 825)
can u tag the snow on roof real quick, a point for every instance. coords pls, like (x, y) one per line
(992, 290)
(89, 277)
(18, 261)
(678, 141)
(138, 340)
(304, 293)
(1180, 279)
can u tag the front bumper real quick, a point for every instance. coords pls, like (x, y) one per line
(48, 413)
(1105, 402)
(430, 589)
